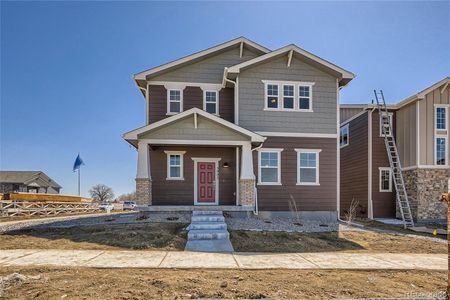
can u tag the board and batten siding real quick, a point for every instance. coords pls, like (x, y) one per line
(192, 97)
(208, 70)
(251, 98)
(354, 166)
(181, 192)
(406, 135)
(426, 123)
(307, 198)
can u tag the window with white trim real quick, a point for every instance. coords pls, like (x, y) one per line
(304, 97)
(288, 96)
(269, 163)
(385, 180)
(384, 122)
(272, 95)
(308, 166)
(344, 136)
(174, 101)
(175, 165)
(211, 102)
(441, 150)
(440, 118)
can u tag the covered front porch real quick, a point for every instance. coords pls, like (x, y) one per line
(195, 161)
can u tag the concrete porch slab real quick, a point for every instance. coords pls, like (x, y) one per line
(223, 245)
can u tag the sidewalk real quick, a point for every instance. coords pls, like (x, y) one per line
(236, 260)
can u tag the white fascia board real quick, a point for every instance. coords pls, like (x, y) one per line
(421, 95)
(133, 135)
(237, 68)
(144, 74)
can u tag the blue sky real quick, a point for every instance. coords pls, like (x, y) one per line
(66, 67)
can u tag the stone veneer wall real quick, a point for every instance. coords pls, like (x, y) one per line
(425, 187)
(144, 191)
(246, 192)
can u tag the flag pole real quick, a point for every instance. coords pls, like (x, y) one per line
(79, 169)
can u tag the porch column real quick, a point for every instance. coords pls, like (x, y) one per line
(143, 176)
(247, 178)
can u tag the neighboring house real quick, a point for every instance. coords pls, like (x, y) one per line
(421, 130)
(27, 182)
(240, 127)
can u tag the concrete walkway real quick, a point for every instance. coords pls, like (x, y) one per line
(188, 260)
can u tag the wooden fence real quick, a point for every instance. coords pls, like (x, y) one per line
(24, 208)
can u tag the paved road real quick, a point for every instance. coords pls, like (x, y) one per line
(186, 259)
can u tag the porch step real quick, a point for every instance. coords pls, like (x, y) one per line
(208, 226)
(206, 212)
(207, 218)
(208, 234)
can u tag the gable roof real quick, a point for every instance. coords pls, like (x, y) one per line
(345, 76)
(132, 136)
(421, 95)
(26, 177)
(200, 55)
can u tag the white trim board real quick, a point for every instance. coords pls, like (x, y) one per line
(317, 167)
(270, 150)
(217, 181)
(298, 134)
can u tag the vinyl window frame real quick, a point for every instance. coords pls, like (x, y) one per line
(217, 101)
(280, 95)
(181, 166)
(391, 120)
(260, 167)
(446, 149)
(345, 127)
(283, 96)
(317, 167)
(380, 179)
(445, 107)
(177, 101)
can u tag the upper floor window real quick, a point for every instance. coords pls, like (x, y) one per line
(269, 166)
(441, 150)
(344, 136)
(385, 180)
(272, 96)
(441, 117)
(288, 95)
(211, 102)
(386, 123)
(308, 166)
(304, 97)
(174, 101)
(175, 165)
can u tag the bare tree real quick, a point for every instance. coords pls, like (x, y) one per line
(351, 214)
(127, 197)
(101, 193)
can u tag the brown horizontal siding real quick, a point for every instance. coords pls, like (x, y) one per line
(307, 198)
(192, 97)
(383, 202)
(181, 192)
(354, 164)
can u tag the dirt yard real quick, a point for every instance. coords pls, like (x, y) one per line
(87, 283)
(350, 241)
(149, 236)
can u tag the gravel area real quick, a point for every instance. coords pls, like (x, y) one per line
(119, 218)
(255, 223)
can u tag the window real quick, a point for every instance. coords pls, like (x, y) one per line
(385, 121)
(211, 102)
(441, 151)
(269, 171)
(175, 165)
(307, 166)
(344, 136)
(304, 97)
(288, 96)
(385, 180)
(441, 118)
(272, 96)
(174, 101)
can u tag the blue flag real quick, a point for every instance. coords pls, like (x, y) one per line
(78, 162)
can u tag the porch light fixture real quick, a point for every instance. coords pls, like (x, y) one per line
(225, 165)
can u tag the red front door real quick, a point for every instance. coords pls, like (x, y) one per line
(206, 182)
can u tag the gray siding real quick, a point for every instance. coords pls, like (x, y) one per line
(184, 130)
(209, 70)
(251, 99)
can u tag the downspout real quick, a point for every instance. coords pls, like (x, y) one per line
(236, 97)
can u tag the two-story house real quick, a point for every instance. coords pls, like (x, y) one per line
(241, 128)
(421, 130)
